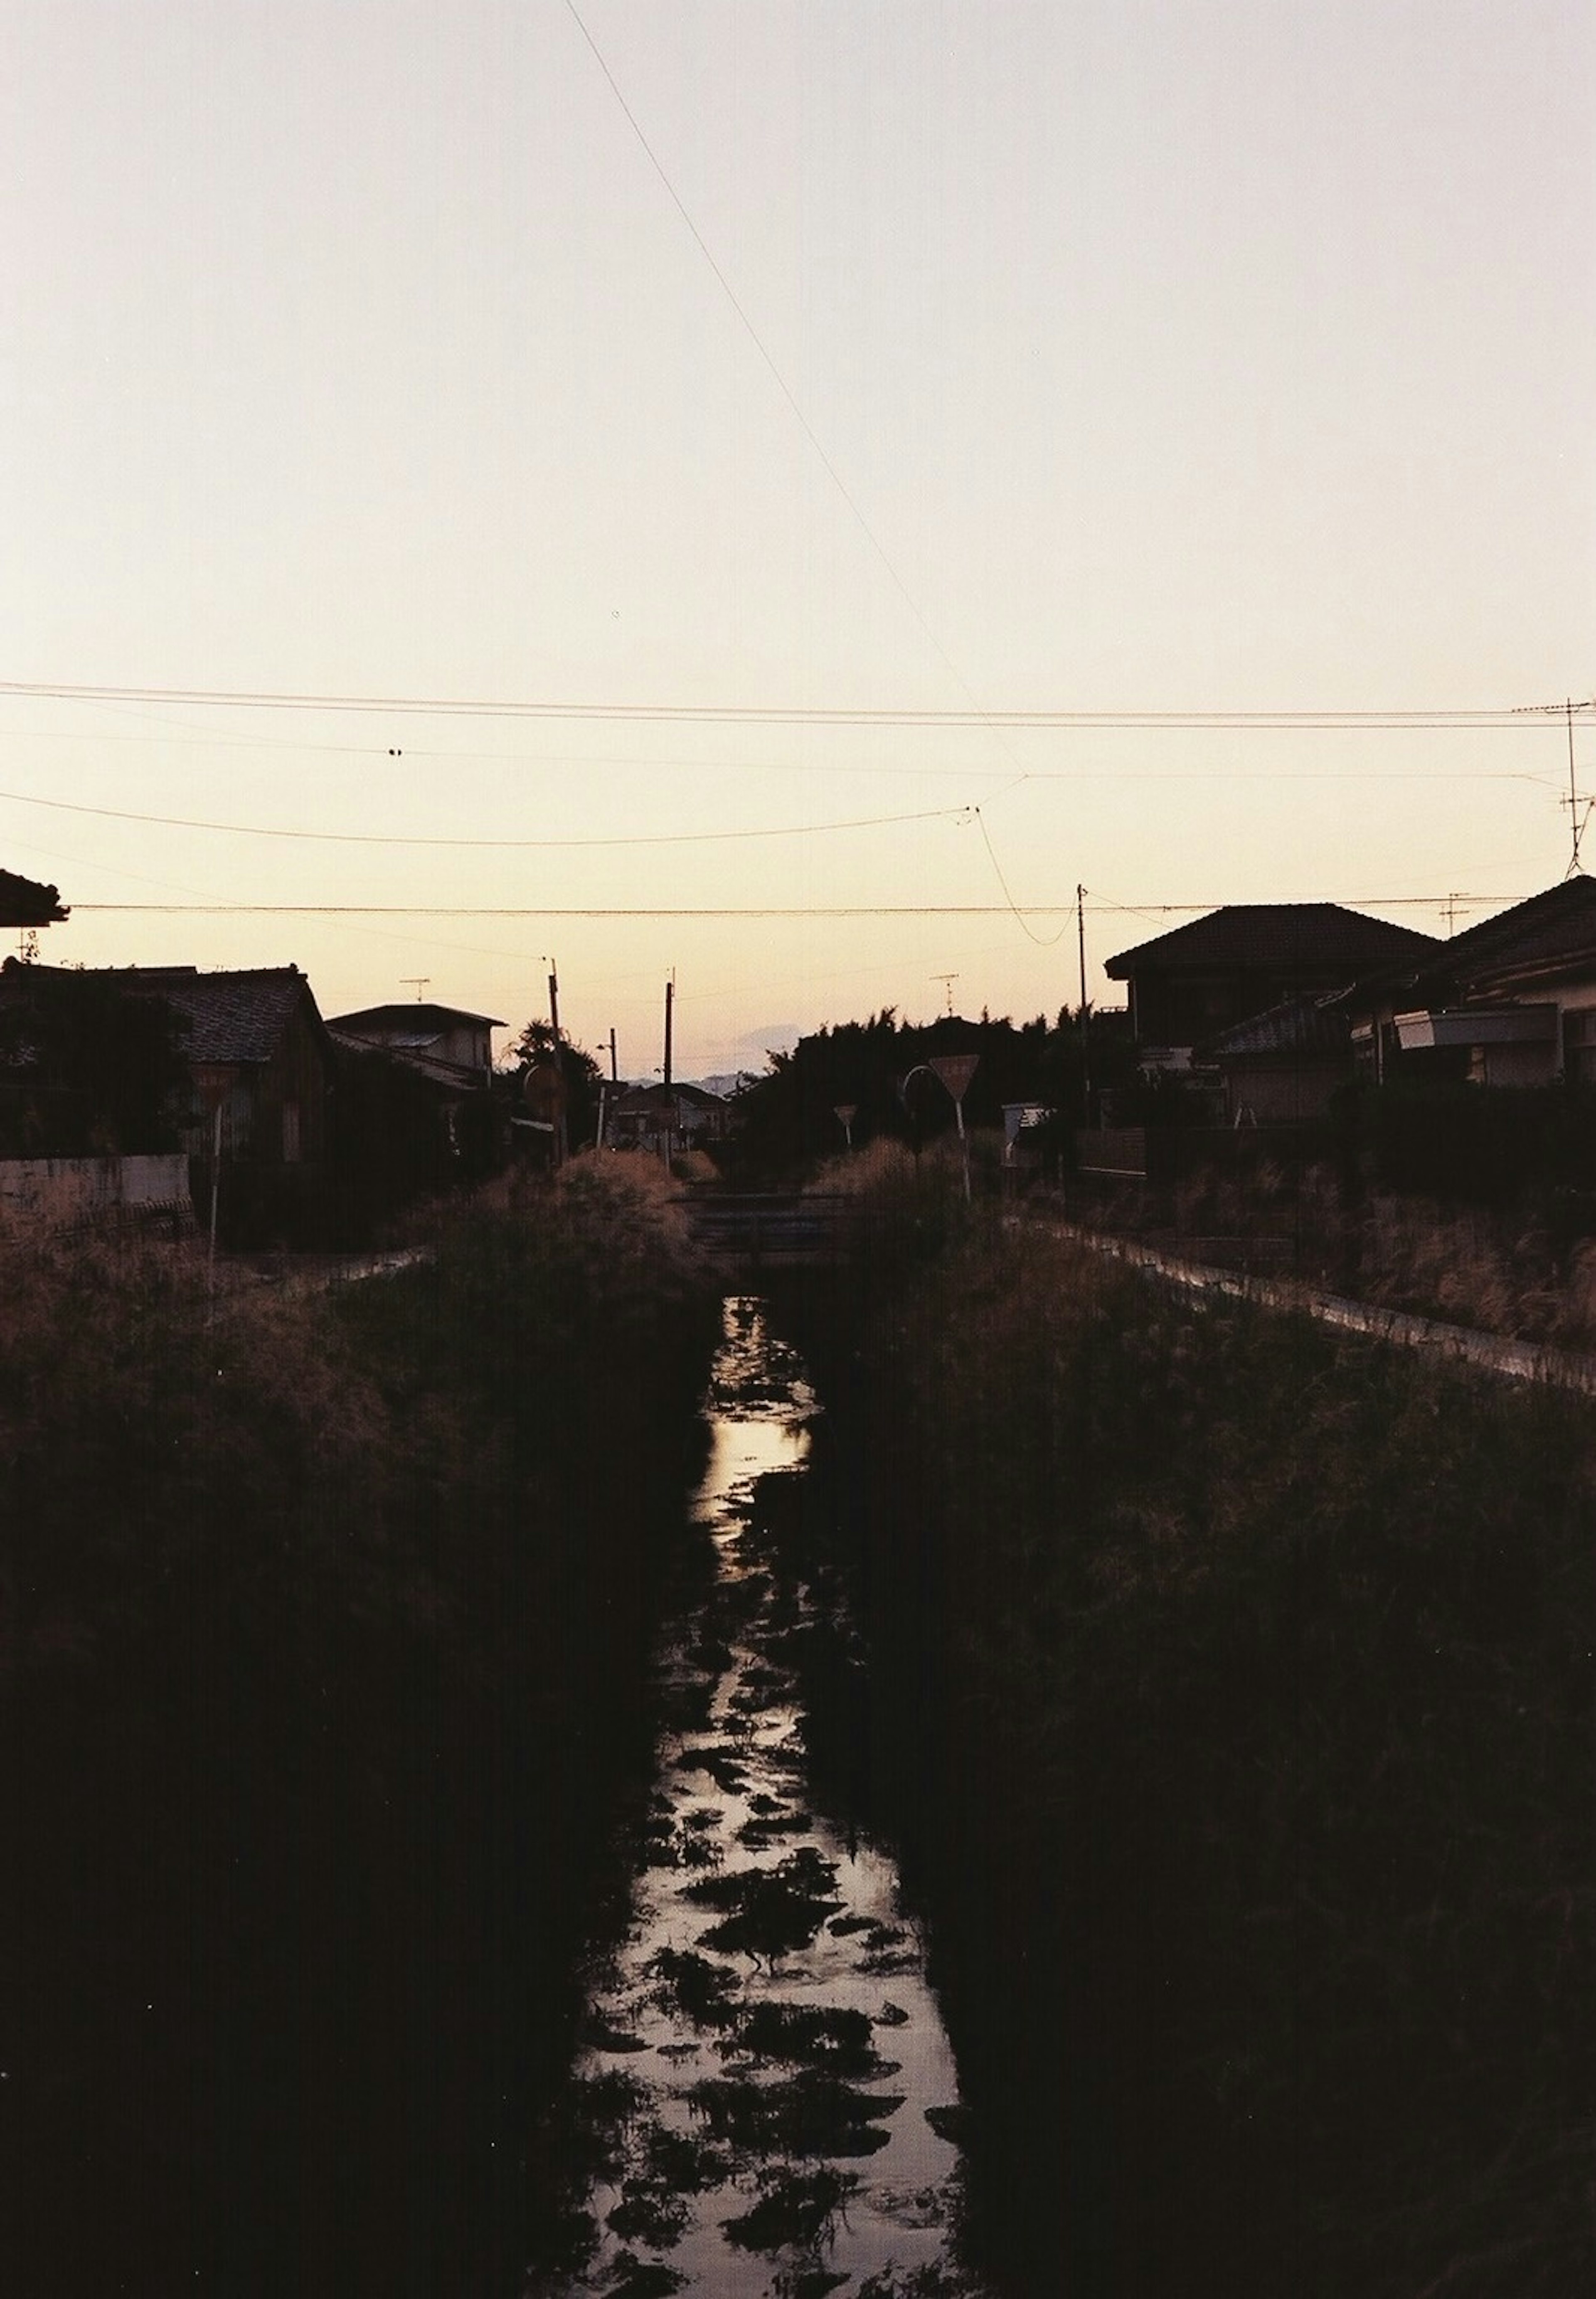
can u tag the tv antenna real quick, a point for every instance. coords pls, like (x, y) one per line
(1579, 809)
(416, 981)
(949, 980)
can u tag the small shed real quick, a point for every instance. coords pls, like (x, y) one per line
(1281, 1067)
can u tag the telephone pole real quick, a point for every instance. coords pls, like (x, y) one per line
(1080, 932)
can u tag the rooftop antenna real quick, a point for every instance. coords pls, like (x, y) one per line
(1579, 809)
(949, 979)
(1576, 820)
(418, 982)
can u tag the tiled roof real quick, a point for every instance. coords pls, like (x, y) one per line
(1559, 923)
(432, 1019)
(1299, 1026)
(232, 1017)
(1275, 934)
(24, 902)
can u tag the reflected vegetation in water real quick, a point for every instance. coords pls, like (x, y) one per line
(766, 2101)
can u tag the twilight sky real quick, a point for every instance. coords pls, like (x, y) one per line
(792, 393)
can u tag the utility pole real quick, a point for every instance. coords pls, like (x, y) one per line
(561, 1136)
(1080, 932)
(670, 1001)
(614, 1073)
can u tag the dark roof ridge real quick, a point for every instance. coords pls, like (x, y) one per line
(1271, 932)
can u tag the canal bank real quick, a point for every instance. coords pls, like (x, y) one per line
(1232, 1710)
(325, 1671)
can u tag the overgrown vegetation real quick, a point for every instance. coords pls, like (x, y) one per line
(325, 1650)
(1232, 1695)
(787, 1119)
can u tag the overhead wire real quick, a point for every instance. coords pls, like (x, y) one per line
(391, 838)
(1531, 720)
(745, 909)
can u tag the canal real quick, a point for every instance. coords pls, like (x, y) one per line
(766, 2102)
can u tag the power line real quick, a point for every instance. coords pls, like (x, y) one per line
(1043, 942)
(742, 910)
(384, 838)
(1522, 720)
(188, 738)
(788, 394)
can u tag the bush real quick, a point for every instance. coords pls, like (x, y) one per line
(326, 1645)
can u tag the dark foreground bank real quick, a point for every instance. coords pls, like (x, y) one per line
(1231, 1704)
(324, 1653)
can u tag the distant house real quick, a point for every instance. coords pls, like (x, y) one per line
(242, 1082)
(262, 1075)
(666, 1118)
(1188, 986)
(1509, 1002)
(445, 1041)
(418, 1112)
(25, 903)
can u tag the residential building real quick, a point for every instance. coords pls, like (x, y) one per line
(1199, 980)
(445, 1040)
(1509, 1002)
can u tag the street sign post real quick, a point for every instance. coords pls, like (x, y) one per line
(956, 1071)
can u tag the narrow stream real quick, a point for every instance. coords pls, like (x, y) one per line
(767, 2103)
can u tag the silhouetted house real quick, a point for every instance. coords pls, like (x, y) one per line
(1509, 1002)
(261, 1069)
(235, 1074)
(442, 1041)
(416, 1111)
(1200, 980)
(666, 1118)
(25, 903)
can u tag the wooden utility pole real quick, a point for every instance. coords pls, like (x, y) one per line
(561, 1131)
(1080, 930)
(669, 1000)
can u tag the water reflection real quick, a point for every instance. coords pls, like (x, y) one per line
(767, 2101)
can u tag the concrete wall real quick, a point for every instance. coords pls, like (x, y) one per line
(49, 1192)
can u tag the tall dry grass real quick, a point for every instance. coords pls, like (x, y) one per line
(326, 1630)
(1234, 1694)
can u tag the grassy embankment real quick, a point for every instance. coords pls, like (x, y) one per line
(325, 1642)
(1234, 1704)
